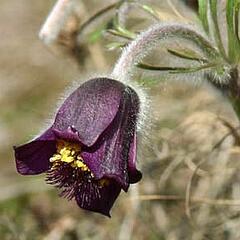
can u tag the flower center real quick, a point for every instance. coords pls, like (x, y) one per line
(69, 153)
(69, 173)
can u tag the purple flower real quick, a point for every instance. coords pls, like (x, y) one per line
(89, 152)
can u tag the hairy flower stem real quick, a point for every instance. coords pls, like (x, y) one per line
(147, 41)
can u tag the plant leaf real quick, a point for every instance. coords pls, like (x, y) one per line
(232, 9)
(96, 34)
(186, 53)
(150, 10)
(158, 68)
(217, 35)
(115, 45)
(176, 70)
(117, 33)
(126, 32)
(203, 13)
(195, 69)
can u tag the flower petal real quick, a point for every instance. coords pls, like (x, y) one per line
(33, 158)
(70, 134)
(110, 155)
(90, 109)
(97, 199)
(134, 174)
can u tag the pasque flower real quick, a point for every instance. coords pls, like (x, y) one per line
(89, 152)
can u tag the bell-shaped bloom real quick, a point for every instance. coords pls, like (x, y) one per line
(89, 152)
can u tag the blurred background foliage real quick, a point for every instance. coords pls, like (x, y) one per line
(189, 152)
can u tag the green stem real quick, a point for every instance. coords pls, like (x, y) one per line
(236, 19)
(232, 9)
(217, 35)
(203, 13)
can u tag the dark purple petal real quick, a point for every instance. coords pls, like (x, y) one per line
(89, 193)
(110, 155)
(69, 135)
(98, 199)
(90, 109)
(107, 161)
(33, 158)
(134, 174)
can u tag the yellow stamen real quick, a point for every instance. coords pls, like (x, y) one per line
(55, 157)
(69, 152)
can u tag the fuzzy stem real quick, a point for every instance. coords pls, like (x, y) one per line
(147, 41)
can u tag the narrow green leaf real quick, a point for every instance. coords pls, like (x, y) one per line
(193, 36)
(217, 35)
(150, 10)
(114, 45)
(237, 19)
(158, 68)
(149, 81)
(186, 53)
(119, 30)
(116, 33)
(195, 69)
(203, 13)
(232, 9)
(126, 32)
(96, 34)
(175, 70)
